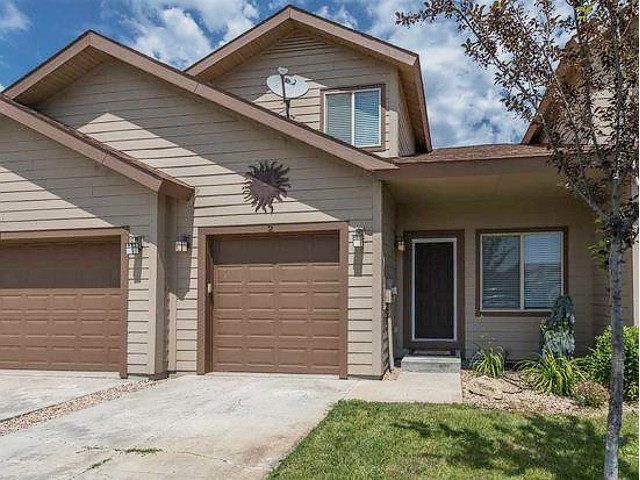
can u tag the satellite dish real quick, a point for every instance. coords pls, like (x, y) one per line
(287, 86)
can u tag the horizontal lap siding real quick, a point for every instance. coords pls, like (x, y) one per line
(211, 150)
(518, 335)
(45, 186)
(323, 65)
(406, 138)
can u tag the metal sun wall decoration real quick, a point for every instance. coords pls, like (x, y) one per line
(265, 183)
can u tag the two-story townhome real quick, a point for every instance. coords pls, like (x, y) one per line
(154, 220)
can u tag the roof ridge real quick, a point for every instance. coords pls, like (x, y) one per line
(288, 9)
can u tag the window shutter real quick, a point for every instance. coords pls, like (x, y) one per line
(501, 272)
(542, 269)
(338, 116)
(367, 118)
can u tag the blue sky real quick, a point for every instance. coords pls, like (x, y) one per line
(463, 103)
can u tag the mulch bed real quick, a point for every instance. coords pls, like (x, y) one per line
(48, 413)
(512, 394)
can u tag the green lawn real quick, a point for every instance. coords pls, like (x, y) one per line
(373, 440)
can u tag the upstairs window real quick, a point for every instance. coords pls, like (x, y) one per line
(521, 271)
(354, 116)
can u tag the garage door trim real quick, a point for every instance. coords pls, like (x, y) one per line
(34, 236)
(204, 262)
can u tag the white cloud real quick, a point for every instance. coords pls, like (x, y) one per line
(341, 16)
(179, 31)
(172, 37)
(463, 104)
(12, 19)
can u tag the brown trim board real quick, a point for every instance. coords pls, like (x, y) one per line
(89, 233)
(92, 149)
(204, 360)
(389, 52)
(521, 313)
(274, 27)
(407, 288)
(231, 103)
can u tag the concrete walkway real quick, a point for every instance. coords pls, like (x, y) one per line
(195, 427)
(230, 426)
(23, 391)
(411, 387)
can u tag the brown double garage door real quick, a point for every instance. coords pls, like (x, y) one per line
(277, 303)
(61, 305)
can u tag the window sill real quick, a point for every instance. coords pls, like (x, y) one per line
(378, 148)
(513, 313)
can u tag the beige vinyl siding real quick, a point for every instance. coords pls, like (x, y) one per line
(406, 137)
(324, 65)
(518, 335)
(205, 147)
(45, 186)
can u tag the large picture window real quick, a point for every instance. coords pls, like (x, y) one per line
(521, 270)
(354, 116)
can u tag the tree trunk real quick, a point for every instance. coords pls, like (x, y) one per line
(617, 363)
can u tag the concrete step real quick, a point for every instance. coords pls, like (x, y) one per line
(430, 363)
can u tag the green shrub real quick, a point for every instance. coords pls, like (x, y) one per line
(489, 361)
(590, 394)
(551, 374)
(598, 362)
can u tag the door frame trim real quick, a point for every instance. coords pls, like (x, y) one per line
(454, 241)
(43, 236)
(204, 360)
(408, 288)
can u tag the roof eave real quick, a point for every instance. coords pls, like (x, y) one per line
(385, 51)
(234, 105)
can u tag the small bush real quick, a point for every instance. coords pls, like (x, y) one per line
(489, 361)
(551, 374)
(590, 394)
(557, 332)
(598, 362)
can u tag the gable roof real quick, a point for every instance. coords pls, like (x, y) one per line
(289, 18)
(91, 49)
(94, 150)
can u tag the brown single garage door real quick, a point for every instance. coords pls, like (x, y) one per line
(61, 306)
(276, 303)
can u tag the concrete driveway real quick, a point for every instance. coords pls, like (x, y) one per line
(23, 392)
(189, 427)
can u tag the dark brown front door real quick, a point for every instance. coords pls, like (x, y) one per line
(276, 303)
(434, 306)
(61, 306)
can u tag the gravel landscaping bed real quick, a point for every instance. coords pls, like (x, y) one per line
(510, 393)
(48, 413)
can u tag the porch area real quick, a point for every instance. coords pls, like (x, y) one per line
(439, 220)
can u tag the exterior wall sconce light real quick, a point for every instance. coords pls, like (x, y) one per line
(358, 238)
(182, 244)
(134, 246)
(400, 245)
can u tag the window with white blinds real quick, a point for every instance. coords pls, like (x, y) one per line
(354, 117)
(521, 271)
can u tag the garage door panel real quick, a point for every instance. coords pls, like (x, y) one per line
(61, 306)
(276, 304)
